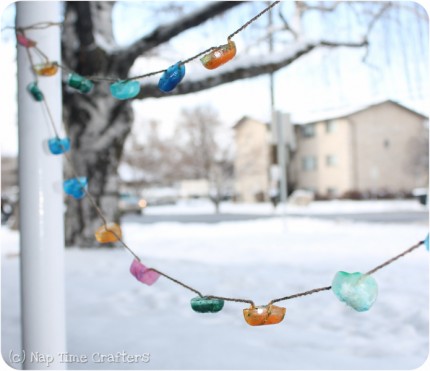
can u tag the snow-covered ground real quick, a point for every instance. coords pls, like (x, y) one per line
(319, 207)
(108, 311)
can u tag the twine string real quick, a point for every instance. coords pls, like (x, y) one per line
(237, 300)
(100, 213)
(34, 26)
(305, 293)
(314, 291)
(93, 78)
(30, 58)
(389, 261)
(265, 10)
(114, 79)
(176, 281)
(87, 193)
(199, 54)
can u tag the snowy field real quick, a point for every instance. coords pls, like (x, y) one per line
(108, 311)
(314, 208)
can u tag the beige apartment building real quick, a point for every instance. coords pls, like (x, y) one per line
(371, 149)
(251, 164)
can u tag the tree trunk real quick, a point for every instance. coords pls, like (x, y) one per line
(216, 203)
(98, 126)
(96, 123)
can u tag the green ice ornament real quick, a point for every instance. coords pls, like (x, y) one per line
(35, 92)
(206, 305)
(80, 83)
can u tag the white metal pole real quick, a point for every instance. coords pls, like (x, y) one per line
(282, 156)
(41, 200)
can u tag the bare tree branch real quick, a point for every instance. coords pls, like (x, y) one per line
(377, 16)
(287, 25)
(165, 32)
(372, 23)
(242, 71)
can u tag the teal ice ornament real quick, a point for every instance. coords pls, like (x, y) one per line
(206, 304)
(80, 83)
(35, 92)
(125, 89)
(357, 290)
(76, 187)
(426, 242)
(58, 146)
(171, 77)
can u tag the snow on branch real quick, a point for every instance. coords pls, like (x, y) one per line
(242, 68)
(166, 32)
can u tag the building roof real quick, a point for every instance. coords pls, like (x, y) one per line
(307, 118)
(245, 119)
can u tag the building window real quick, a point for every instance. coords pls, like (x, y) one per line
(308, 130)
(330, 126)
(331, 160)
(309, 163)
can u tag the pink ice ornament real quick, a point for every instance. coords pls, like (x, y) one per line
(143, 274)
(22, 40)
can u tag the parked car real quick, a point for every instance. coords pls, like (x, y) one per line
(421, 194)
(7, 207)
(130, 203)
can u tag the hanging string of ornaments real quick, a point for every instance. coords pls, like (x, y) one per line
(357, 290)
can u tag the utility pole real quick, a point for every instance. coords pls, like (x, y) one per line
(271, 77)
(278, 129)
(41, 199)
(281, 123)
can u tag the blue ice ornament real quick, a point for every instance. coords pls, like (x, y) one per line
(58, 146)
(171, 77)
(125, 89)
(76, 187)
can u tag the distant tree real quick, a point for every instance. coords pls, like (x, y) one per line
(200, 153)
(98, 124)
(153, 159)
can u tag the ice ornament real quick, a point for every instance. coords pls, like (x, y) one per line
(357, 290)
(264, 315)
(206, 304)
(142, 273)
(110, 232)
(76, 187)
(219, 56)
(125, 89)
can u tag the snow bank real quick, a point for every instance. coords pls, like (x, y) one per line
(314, 208)
(108, 311)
